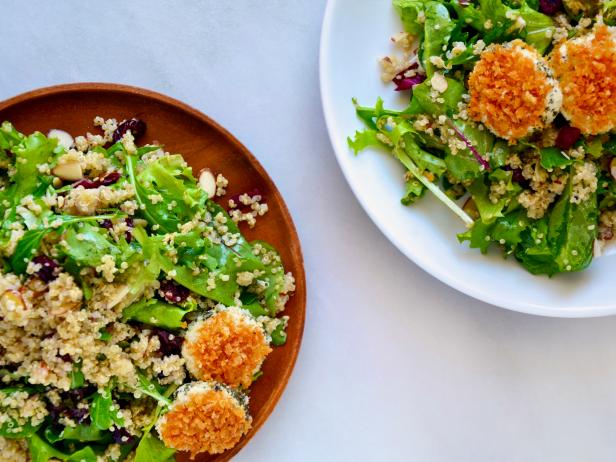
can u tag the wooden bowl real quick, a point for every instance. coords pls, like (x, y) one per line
(203, 143)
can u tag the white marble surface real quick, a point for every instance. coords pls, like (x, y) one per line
(395, 366)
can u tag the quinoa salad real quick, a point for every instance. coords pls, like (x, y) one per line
(134, 315)
(511, 122)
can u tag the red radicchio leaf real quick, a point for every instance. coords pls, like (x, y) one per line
(407, 83)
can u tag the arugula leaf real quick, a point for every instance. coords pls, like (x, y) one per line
(152, 389)
(32, 151)
(414, 190)
(594, 147)
(434, 189)
(423, 102)
(86, 245)
(80, 432)
(488, 210)
(32, 239)
(410, 11)
(535, 252)
(151, 449)
(506, 231)
(537, 29)
(463, 165)
(364, 139)
(609, 12)
(77, 378)
(279, 336)
(8, 427)
(562, 242)
(27, 246)
(156, 313)
(171, 181)
(437, 32)
(9, 137)
(553, 158)
(573, 230)
(41, 451)
(423, 159)
(103, 412)
(273, 277)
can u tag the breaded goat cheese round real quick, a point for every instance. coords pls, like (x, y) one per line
(228, 346)
(513, 91)
(586, 69)
(205, 417)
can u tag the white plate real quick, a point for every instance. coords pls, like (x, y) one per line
(355, 35)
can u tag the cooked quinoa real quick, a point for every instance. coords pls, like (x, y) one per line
(511, 123)
(122, 282)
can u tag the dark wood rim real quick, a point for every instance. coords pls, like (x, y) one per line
(299, 273)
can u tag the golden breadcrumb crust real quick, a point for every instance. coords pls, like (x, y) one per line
(587, 76)
(225, 349)
(508, 91)
(209, 421)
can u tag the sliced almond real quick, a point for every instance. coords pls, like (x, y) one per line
(13, 308)
(118, 296)
(11, 300)
(207, 182)
(69, 172)
(64, 138)
(613, 167)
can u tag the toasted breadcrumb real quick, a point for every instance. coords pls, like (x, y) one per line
(586, 69)
(205, 417)
(512, 91)
(228, 347)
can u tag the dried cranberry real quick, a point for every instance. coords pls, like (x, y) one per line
(55, 412)
(130, 224)
(107, 180)
(173, 292)
(567, 137)
(121, 436)
(66, 358)
(78, 394)
(47, 272)
(110, 178)
(516, 175)
(240, 205)
(136, 126)
(606, 234)
(170, 344)
(403, 82)
(106, 223)
(78, 414)
(87, 183)
(550, 7)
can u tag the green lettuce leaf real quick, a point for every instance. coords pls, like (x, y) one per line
(104, 412)
(41, 451)
(156, 313)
